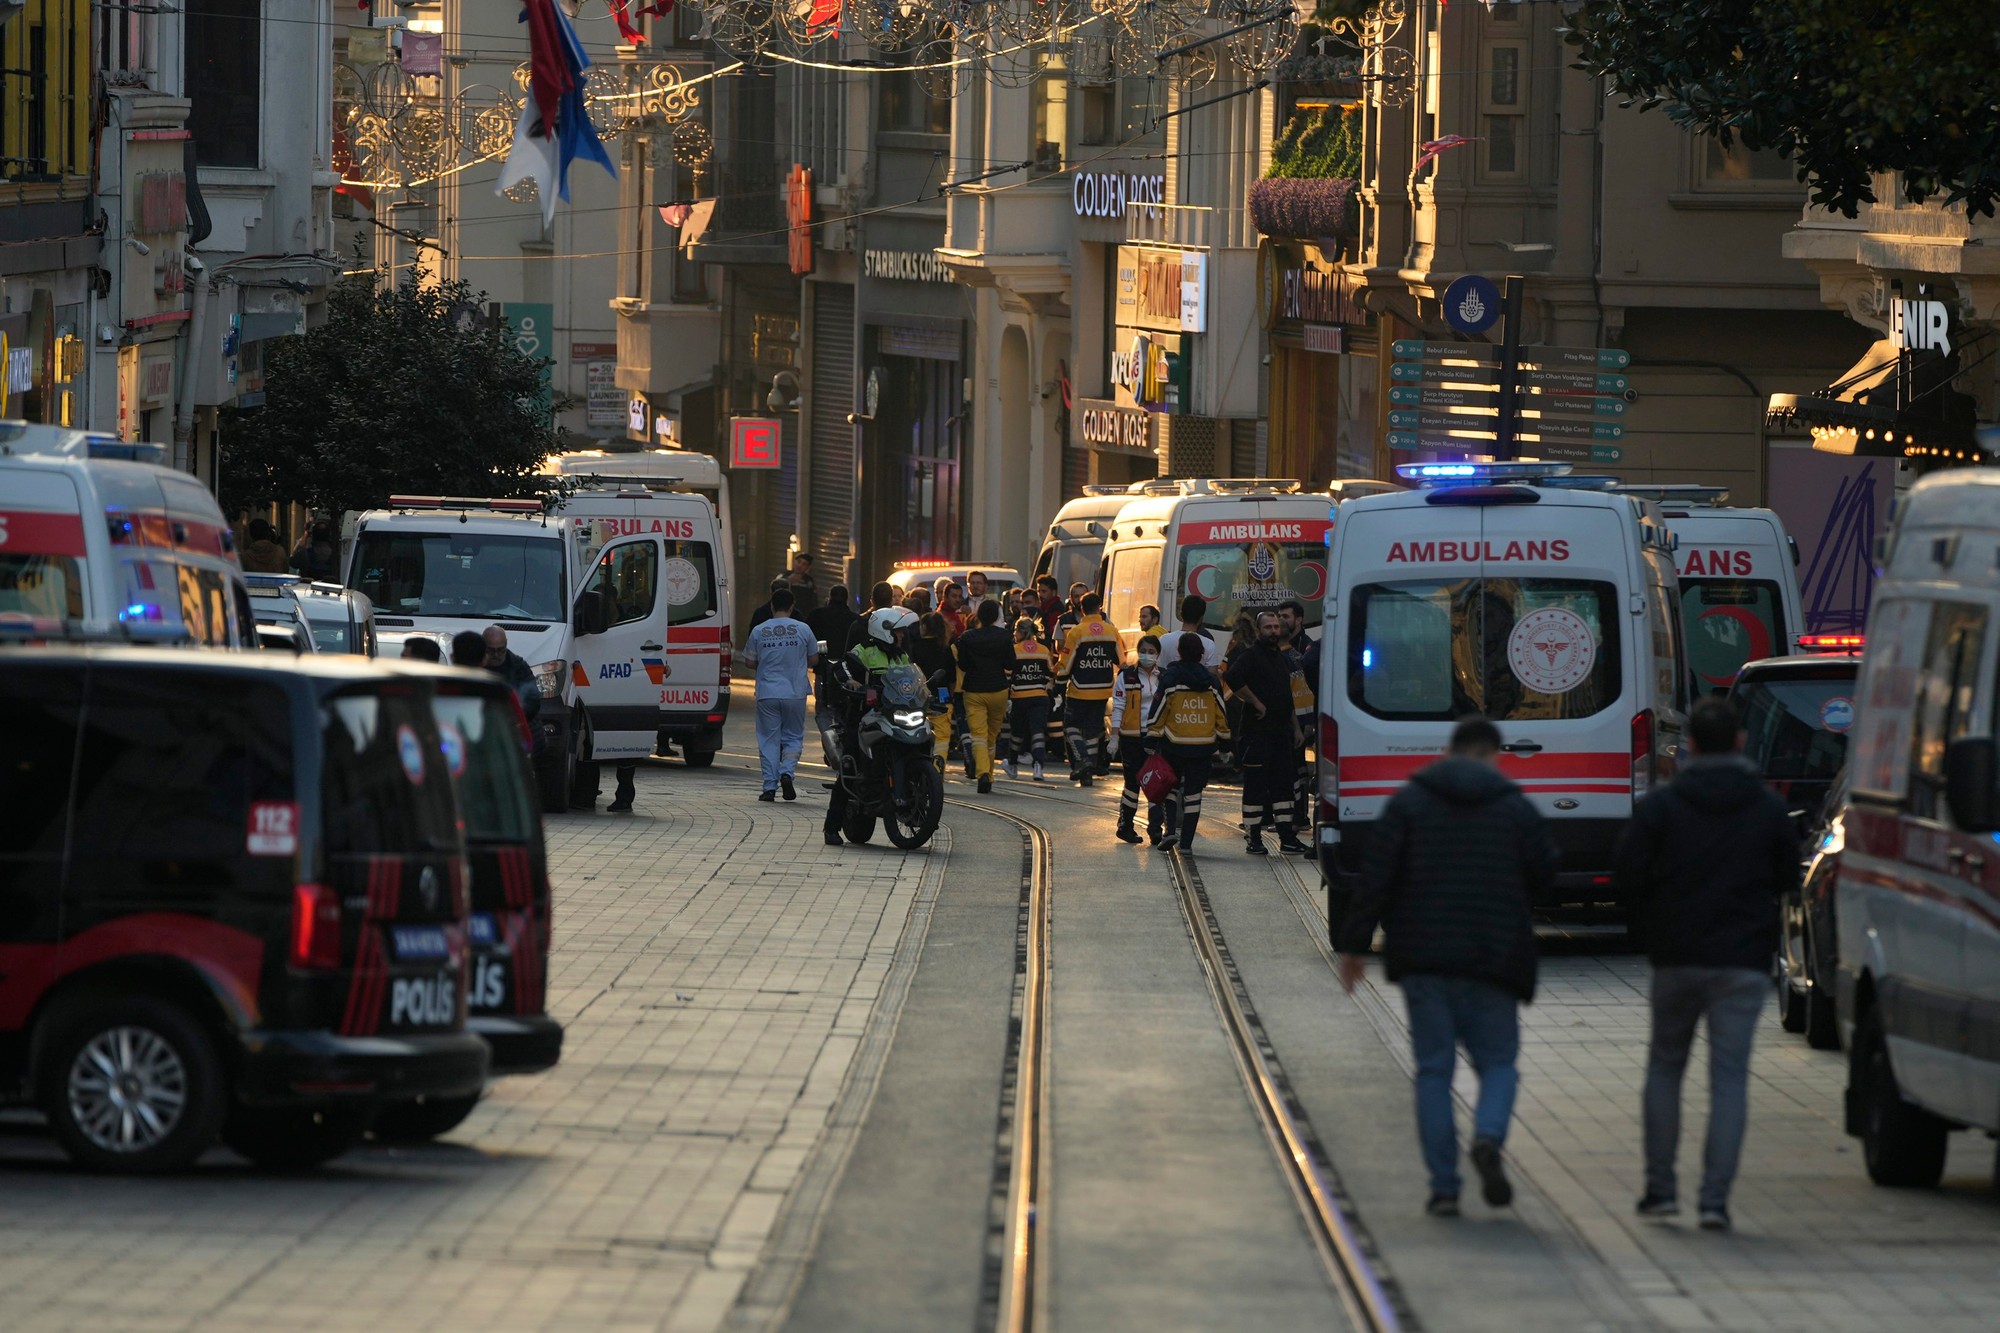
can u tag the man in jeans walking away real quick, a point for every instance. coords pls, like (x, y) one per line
(781, 651)
(1703, 865)
(1451, 871)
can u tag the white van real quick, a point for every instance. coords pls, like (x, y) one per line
(1917, 899)
(689, 667)
(593, 629)
(1739, 581)
(96, 537)
(1073, 548)
(908, 574)
(1239, 543)
(1496, 589)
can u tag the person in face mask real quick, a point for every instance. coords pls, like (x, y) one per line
(1260, 675)
(1131, 703)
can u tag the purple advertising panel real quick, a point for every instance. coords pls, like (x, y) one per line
(1834, 507)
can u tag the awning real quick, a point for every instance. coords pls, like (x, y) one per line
(1892, 403)
(282, 324)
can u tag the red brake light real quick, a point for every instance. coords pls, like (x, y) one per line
(315, 926)
(1832, 643)
(1642, 753)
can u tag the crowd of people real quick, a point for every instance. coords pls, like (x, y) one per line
(1034, 673)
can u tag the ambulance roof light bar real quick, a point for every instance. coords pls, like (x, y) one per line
(1833, 643)
(497, 505)
(1476, 474)
(1684, 493)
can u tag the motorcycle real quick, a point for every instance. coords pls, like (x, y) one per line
(894, 778)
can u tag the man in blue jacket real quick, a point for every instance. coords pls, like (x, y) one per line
(1451, 871)
(1703, 866)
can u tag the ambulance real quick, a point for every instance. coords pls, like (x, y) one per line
(97, 538)
(670, 496)
(1917, 898)
(1073, 548)
(1739, 581)
(1239, 543)
(592, 612)
(1501, 589)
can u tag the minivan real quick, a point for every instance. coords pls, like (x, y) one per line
(232, 903)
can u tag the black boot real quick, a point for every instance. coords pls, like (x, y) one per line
(1126, 833)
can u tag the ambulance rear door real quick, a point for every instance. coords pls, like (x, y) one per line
(44, 570)
(1249, 555)
(1739, 590)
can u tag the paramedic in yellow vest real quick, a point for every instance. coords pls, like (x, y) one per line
(1090, 660)
(1189, 728)
(1028, 697)
(1131, 699)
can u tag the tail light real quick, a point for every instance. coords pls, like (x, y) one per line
(1642, 753)
(315, 926)
(1329, 769)
(728, 659)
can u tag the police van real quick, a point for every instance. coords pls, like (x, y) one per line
(97, 537)
(1239, 543)
(665, 498)
(1739, 581)
(1917, 899)
(593, 607)
(1073, 548)
(1501, 589)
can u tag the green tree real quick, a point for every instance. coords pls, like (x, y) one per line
(393, 395)
(1842, 87)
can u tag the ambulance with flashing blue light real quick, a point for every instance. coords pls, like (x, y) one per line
(1739, 581)
(1239, 543)
(98, 538)
(1544, 601)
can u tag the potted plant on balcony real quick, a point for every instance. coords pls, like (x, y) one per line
(1307, 195)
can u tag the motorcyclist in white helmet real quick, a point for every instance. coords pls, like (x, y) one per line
(859, 671)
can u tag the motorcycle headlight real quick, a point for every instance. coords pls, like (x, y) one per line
(549, 677)
(909, 718)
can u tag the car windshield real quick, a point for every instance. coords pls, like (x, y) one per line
(1795, 727)
(1728, 622)
(41, 585)
(482, 748)
(1251, 576)
(476, 575)
(1435, 650)
(1076, 562)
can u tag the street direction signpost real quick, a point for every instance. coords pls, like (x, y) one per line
(1468, 395)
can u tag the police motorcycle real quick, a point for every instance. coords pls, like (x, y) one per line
(894, 776)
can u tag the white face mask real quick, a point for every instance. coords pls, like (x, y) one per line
(1149, 660)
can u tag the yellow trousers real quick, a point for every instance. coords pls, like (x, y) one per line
(985, 714)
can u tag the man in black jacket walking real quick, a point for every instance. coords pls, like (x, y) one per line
(1703, 866)
(1451, 871)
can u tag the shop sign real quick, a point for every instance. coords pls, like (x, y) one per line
(603, 397)
(1323, 296)
(1322, 338)
(157, 384)
(1107, 426)
(799, 217)
(1108, 194)
(637, 413)
(1148, 370)
(1920, 326)
(927, 344)
(753, 442)
(1162, 289)
(905, 265)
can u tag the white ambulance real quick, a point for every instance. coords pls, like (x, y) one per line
(574, 608)
(1073, 548)
(96, 537)
(1239, 543)
(687, 666)
(1739, 581)
(1917, 898)
(1495, 588)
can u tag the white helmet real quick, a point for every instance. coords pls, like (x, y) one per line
(884, 624)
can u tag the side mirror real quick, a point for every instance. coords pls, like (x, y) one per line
(1971, 767)
(591, 615)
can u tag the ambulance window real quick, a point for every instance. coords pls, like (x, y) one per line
(204, 605)
(1076, 562)
(628, 577)
(1132, 581)
(1945, 689)
(1730, 622)
(687, 582)
(1401, 661)
(41, 586)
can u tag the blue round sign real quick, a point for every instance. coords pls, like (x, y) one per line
(1472, 304)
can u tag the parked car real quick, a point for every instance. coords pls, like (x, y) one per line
(1809, 948)
(234, 898)
(341, 620)
(485, 738)
(1797, 712)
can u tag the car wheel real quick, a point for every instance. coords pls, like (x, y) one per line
(697, 758)
(293, 1138)
(422, 1120)
(1903, 1145)
(1822, 1016)
(131, 1084)
(1791, 1004)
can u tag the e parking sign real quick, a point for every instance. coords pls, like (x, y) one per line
(753, 442)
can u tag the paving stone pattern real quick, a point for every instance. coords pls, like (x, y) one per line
(715, 965)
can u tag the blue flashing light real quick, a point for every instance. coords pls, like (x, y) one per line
(1367, 658)
(1447, 473)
